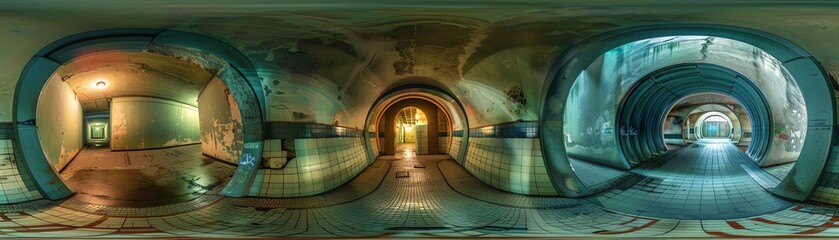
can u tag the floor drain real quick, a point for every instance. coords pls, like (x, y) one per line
(402, 174)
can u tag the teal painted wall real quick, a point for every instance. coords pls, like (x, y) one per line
(59, 119)
(221, 123)
(147, 123)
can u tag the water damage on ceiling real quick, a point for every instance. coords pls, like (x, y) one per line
(132, 74)
(326, 62)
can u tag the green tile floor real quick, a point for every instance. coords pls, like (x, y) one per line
(439, 200)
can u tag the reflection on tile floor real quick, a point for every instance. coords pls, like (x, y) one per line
(438, 199)
(707, 180)
(145, 178)
(596, 176)
(780, 171)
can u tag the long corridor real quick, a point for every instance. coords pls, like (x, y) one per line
(710, 179)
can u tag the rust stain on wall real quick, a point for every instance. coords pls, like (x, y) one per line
(221, 123)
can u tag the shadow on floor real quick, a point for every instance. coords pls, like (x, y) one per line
(143, 178)
(706, 180)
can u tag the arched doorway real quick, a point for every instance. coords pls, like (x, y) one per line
(138, 129)
(452, 125)
(411, 131)
(411, 125)
(224, 61)
(715, 126)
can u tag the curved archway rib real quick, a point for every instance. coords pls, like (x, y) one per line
(445, 100)
(804, 68)
(654, 95)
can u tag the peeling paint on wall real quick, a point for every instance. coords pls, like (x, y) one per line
(221, 123)
(597, 92)
(145, 123)
(515, 97)
(59, 118)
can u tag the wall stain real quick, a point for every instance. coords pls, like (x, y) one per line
(515, 97)
(221, 123)
(300, 116)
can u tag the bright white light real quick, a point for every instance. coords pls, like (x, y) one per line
(101, 84)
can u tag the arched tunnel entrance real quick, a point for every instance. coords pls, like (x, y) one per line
(446, 127)
(138, 129)
(608, 141)
(705, 172)
(412, 126)
(683, 124)
(716, 126)
(138, 92)
(649, 101)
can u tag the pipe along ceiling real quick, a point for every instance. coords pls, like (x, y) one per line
(643, 110)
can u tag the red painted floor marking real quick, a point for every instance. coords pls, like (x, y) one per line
(97, 222)
(5, 218)
(630, 221)
(735, 225)
(727, 235)
(136, 230)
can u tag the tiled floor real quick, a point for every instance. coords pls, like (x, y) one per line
(406, 148)
(710, 179)
(146, 178)
(780, 171)
(596, 176)
(437, 199)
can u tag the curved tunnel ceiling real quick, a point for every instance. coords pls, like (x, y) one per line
(733, 112)
(602, 85)
(133, 74)
(648, 102)
(605, 67)
(334, 54)
(714, 116)
(497, 77)
(697, 100)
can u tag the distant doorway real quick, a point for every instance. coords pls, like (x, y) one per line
(716, 127)
(411, 126)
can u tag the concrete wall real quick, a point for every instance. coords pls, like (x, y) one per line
(147, 123)
(220, 123)
(59, 118)
(745, 128)
(673, 130)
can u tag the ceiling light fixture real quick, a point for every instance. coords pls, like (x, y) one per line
(101, 84)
